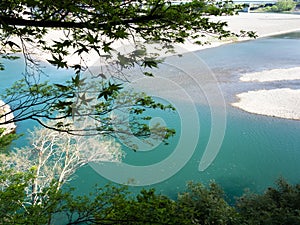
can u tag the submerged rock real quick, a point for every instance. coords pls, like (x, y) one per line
(10, 127)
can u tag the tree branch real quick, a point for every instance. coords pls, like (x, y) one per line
(6, 20)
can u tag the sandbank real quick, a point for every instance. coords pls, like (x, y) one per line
(282, 103)
(263, 24)
(272, 75)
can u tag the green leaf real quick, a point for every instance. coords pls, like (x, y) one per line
(62, 87)
(150, 62)
(12, 44)
(58, 61)
(148, 74)
(110, 90)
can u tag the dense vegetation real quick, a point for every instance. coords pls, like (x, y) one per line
(280, 6)
(116, 205)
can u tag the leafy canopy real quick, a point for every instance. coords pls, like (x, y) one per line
(111, 204)
(82, 29)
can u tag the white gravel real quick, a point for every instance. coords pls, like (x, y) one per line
(283, 102)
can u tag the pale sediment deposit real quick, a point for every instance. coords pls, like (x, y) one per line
(264, 24)
(283, 102)
(273, 75)
(5, 109)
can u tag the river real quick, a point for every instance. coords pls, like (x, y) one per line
(250, 151)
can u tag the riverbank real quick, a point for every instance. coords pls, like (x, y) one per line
(263, 24)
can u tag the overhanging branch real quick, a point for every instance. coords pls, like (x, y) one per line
(40, 23)
(6, 20)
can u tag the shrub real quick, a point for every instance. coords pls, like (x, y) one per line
(274, 8)
(285, 5)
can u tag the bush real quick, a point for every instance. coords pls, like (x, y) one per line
(116, 205)
(274, 8)
(285, 5)
(206, 205)
(268, 9)
(280, 205)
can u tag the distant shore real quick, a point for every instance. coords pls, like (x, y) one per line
(263, 24)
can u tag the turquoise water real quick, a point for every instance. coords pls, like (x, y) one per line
(256, 149)
(14, 70)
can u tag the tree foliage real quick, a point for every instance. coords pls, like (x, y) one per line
(84, 29)
(280, 6)
(6, 140)
(112, 204)
(280, 205)
(285, 5)
(55, 156)
(204, 205)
